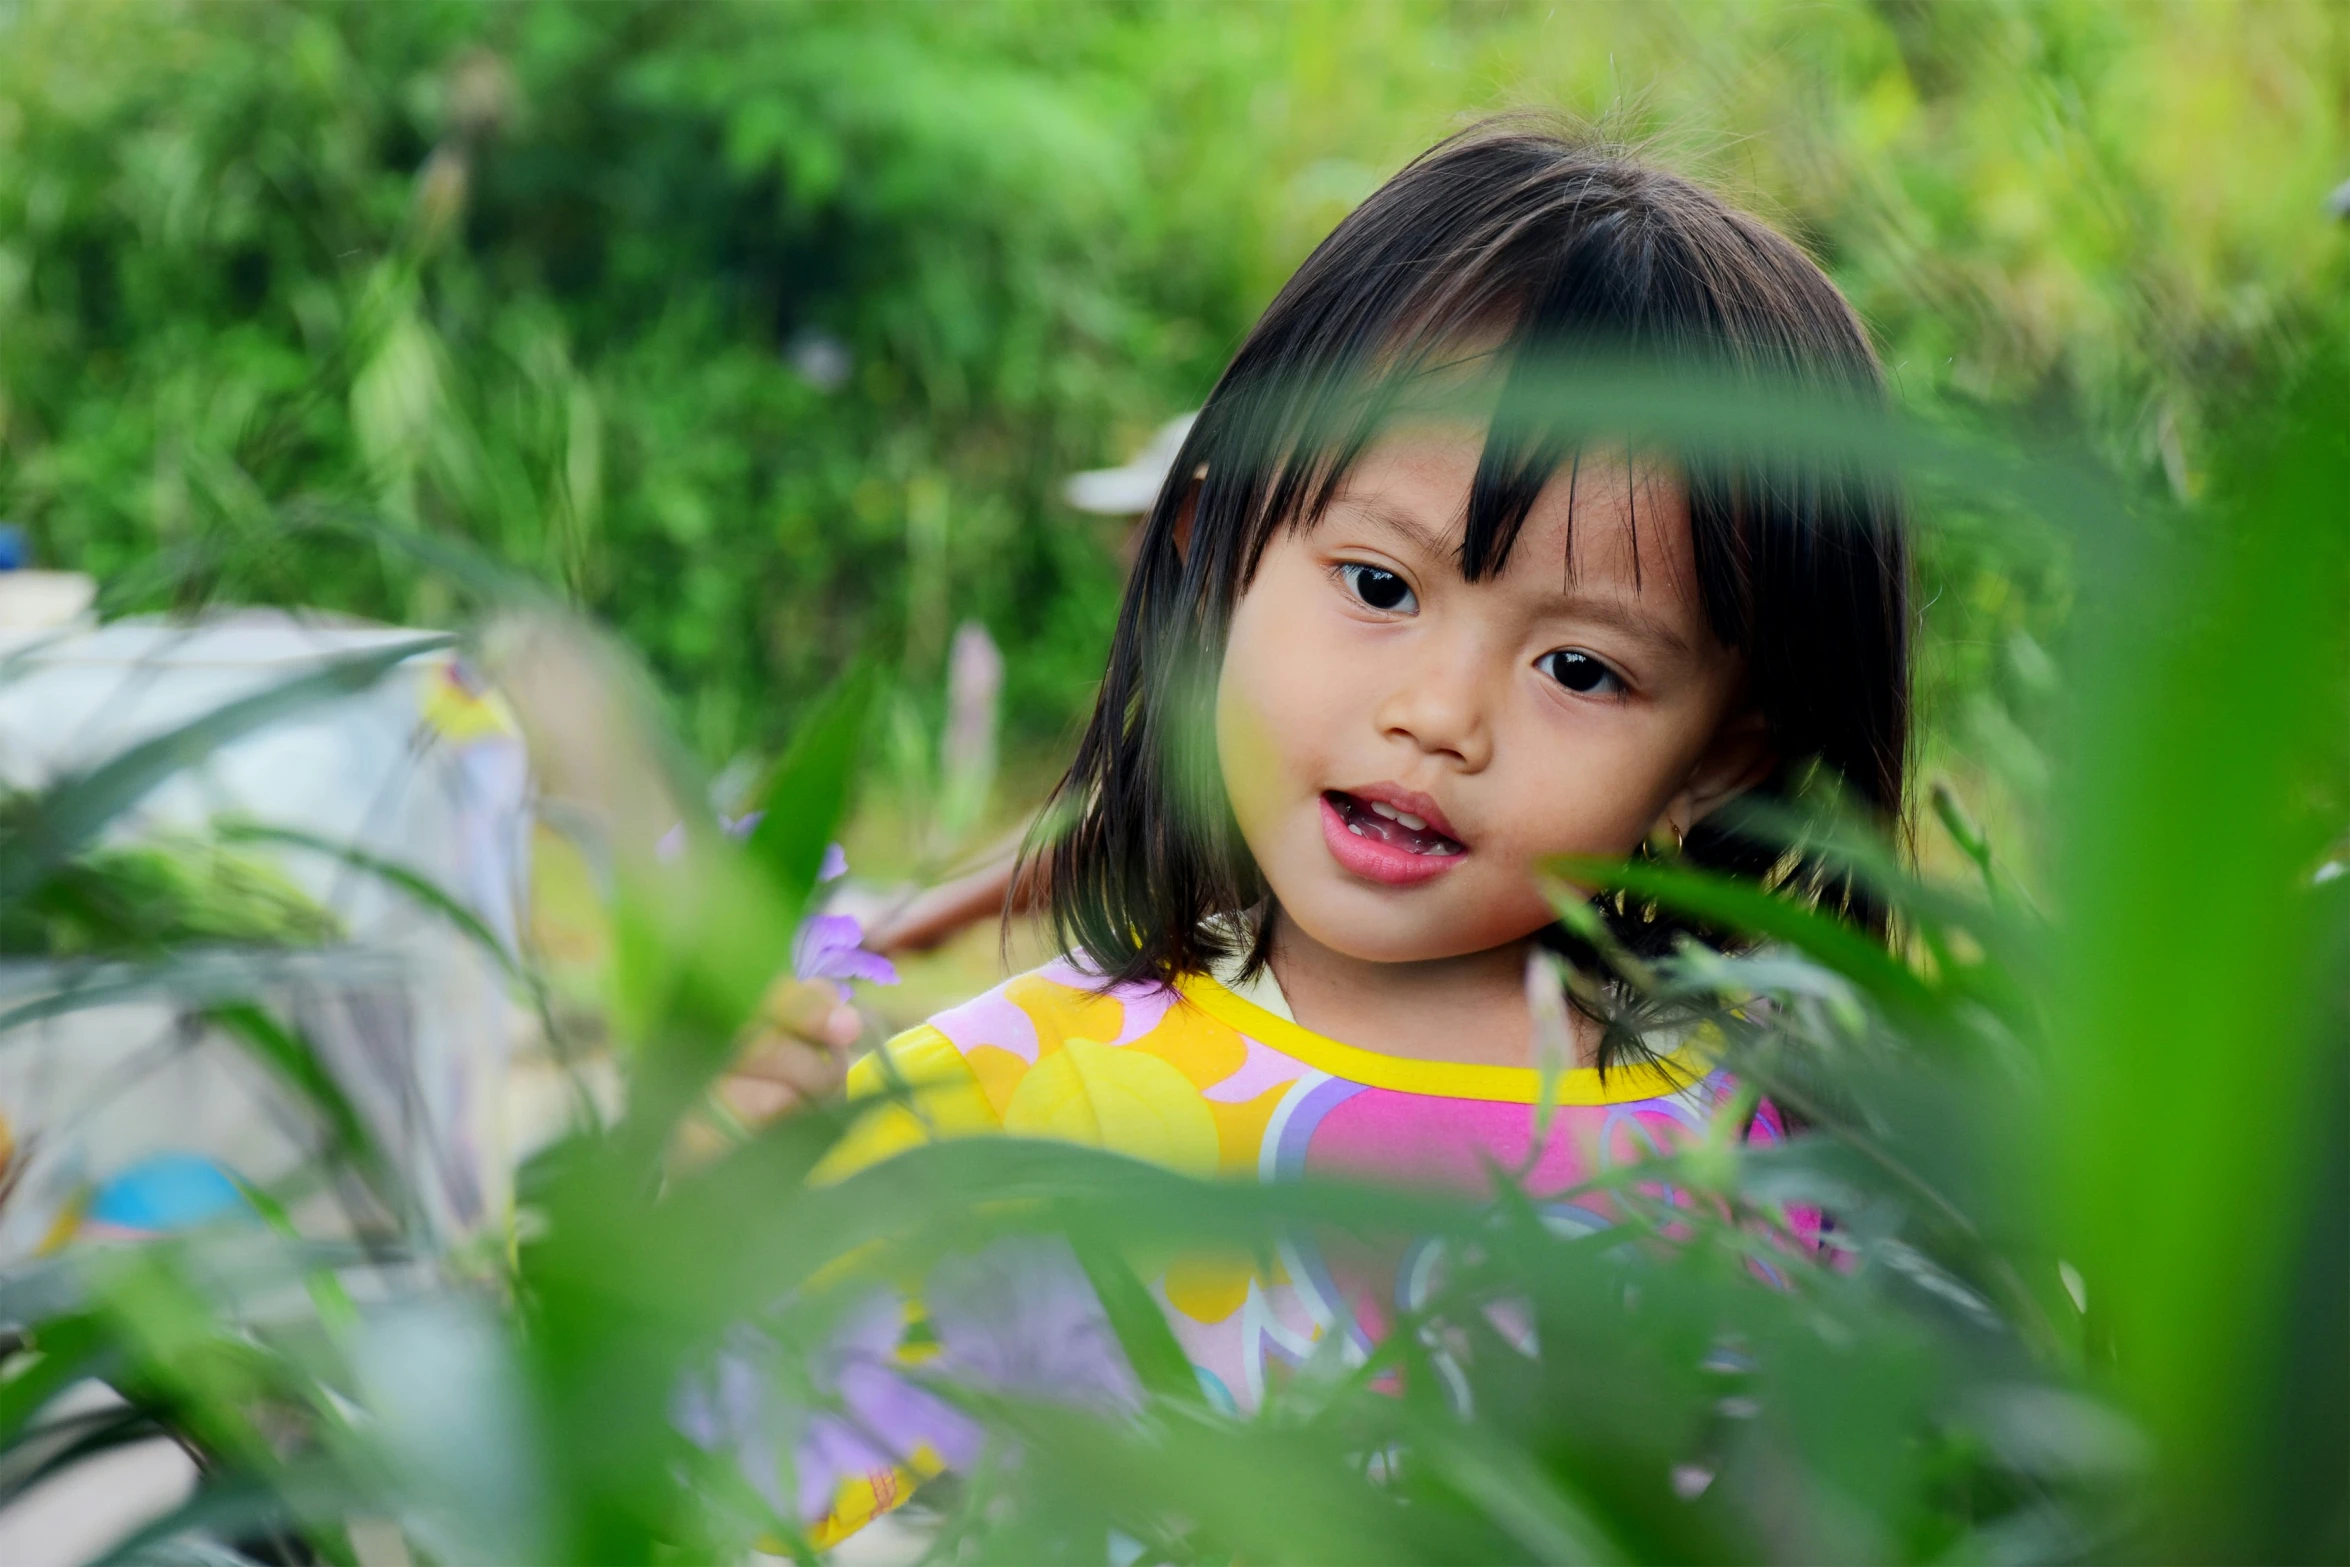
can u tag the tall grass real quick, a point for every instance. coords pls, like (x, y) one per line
(2084, 1142)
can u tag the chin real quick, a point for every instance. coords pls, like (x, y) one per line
(1387, 936)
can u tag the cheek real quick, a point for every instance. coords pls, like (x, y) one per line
(1600, 790)
(1251, 763)
(1269, 711)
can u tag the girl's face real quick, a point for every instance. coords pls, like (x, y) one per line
(1401, 746)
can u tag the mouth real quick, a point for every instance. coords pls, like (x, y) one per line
(1384, 842)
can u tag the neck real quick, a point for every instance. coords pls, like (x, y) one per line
(1469, 1009)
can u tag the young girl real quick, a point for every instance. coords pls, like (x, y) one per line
(1378, 658)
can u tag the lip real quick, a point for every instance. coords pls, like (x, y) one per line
(1373, 859)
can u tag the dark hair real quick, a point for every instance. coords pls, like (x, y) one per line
(1538, 248)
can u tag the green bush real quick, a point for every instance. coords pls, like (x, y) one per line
(2084, 1164)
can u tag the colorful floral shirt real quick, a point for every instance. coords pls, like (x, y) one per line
(1205, 1081)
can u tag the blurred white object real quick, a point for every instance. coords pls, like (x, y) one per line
(820, 359)
(1133, 489)
(117, 1110)
(80, 1514)
(33, 601)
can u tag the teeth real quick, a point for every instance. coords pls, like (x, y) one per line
(1408, 819)
(1389, 812)
(1356, 828)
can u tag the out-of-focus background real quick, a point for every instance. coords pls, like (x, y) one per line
(769, 333)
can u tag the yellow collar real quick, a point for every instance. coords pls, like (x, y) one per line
(1582, 1085)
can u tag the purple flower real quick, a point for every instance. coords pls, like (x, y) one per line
(829, 947)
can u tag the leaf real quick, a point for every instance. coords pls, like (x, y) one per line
(67, 1350)
(1743, 906)
(188, 1551)
(1159, 1362)
(1523, 1498)
(809, 791)
(295, 1061)
(188, 980)
(410, 881)
(237, 1505)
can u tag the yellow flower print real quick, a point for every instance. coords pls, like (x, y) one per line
(1209, 1286)
(1122, 1100)
(1205, 1051)
(998, 1073)
(946, 1101)
(1062, 1013)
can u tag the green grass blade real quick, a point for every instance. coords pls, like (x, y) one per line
(808, 793)
(74, 809)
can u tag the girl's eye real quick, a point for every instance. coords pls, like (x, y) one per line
(1580, 673)
(1378, 588)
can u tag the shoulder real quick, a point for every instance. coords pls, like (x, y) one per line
(1056, 1053)
(1037, 1012)
(959, 1073)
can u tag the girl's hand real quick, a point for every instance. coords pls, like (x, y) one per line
(797, 1052)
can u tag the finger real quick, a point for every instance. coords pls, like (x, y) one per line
(795, 1062)
(754, 1101)
(832, 1034)
(779, 1058)
(798, 1006)
(810, 1010)
(699, 1140)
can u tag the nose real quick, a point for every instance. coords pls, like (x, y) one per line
(1440, 705)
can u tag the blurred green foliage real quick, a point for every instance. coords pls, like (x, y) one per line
(154, 896)
(765, 331)
(2082, 1302)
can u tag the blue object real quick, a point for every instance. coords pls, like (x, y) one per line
(14, 551)
(166, 1193)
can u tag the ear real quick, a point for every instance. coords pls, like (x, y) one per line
(1186, 511)
(1739, 756)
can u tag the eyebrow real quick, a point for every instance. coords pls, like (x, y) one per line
(1396, 520)
(1622, 617)
(1606, 610)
